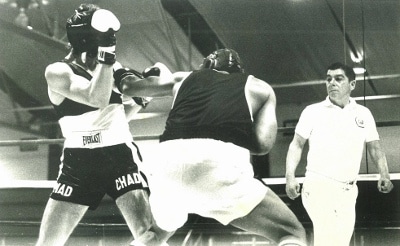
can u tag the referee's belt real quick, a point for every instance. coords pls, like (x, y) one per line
(346, 185)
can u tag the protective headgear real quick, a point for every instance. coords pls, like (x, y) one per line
(223, 60)
(83, 26)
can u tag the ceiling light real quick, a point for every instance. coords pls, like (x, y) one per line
(357, 58)
(359, 70)
(22, 19)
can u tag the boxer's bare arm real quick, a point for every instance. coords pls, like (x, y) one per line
(64, 83)
(262, 101)
(153, 86)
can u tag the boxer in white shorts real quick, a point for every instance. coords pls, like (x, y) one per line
(204, 176)
(220, 116)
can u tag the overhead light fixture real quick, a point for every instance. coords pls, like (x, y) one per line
(22, 19)
(357, 59)
(359, 70)
(27, 4)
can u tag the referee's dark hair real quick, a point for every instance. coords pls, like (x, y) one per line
(348, 71)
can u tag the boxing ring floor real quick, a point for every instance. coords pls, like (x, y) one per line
(22, 203)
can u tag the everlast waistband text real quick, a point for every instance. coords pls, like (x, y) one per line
(91, 139)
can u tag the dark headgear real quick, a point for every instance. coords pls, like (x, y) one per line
(223, 60)
(79, 31)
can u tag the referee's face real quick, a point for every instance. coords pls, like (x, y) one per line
(339, 87)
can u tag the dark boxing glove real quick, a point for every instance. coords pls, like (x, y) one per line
(142, 101)
(151, 71)
(105, 24)
(121, 73)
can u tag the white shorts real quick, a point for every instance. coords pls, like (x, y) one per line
(201, 176)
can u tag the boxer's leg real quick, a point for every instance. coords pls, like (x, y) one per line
(59, 220)
(272, 219)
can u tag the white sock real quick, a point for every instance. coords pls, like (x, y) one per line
(138, 243)
(291, 242)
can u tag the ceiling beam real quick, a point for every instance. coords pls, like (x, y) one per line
(33, 35)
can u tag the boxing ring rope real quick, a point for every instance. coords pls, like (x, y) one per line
(267, 181)
(61, 140)
(57, 141)
(47, 184)
(30, 142)
(84, 224)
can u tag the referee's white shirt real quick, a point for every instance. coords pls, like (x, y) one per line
(336, 137)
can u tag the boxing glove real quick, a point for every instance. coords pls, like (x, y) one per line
(142, 101)
(106, 48)
(105, 24)
(103, 20)
(151, 71)
(121, 73)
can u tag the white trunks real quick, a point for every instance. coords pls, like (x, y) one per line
(207, 177)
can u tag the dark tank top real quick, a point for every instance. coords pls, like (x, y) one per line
(212, 105)
(69, 107)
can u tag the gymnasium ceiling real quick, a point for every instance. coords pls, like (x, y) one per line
(287, 43)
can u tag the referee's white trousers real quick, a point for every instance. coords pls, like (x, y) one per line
(331, 207)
